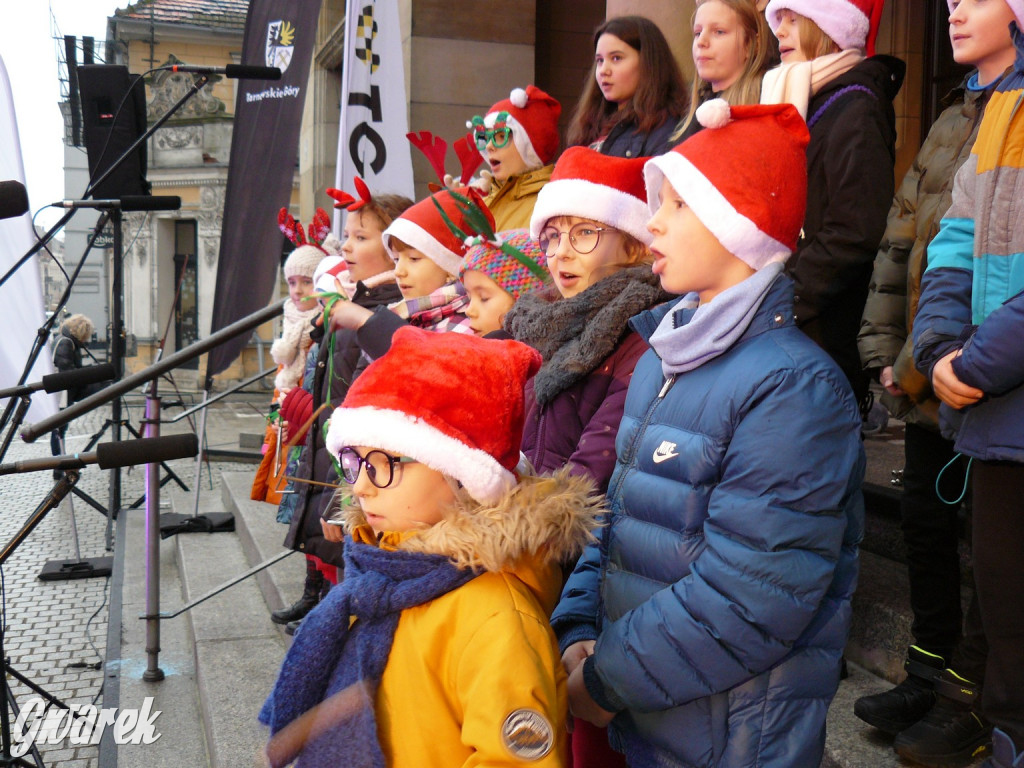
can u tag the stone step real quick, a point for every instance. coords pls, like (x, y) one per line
(261, 537)
(849, 741)
(176, 697)
(238, 651)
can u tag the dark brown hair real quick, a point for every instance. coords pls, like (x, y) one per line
(660, 95)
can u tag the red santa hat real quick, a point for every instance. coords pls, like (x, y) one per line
(606, 189)
(424, 228)
(1017, 6)
(848, 23)
(745, 178)
(329, 269)
(451, 401)
(533, 118)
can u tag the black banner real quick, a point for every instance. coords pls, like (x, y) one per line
(264, 148)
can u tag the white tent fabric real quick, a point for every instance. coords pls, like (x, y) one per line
(21, 297)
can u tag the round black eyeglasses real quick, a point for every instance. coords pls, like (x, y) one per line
(380, 466)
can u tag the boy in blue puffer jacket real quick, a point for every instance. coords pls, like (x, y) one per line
(967, 340)
(719, 594)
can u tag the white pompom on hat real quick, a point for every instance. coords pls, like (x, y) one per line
(744, 177)
(533, 118)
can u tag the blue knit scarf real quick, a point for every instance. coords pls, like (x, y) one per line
(328, 656)
(687, 338)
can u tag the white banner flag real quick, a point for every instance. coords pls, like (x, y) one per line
(22, 295)
(372, 143)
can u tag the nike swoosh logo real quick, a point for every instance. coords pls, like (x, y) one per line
(660, 457)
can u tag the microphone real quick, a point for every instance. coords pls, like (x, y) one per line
(148, 450)
(13, 199)
(58, 382)
(127, 203)
(80, 377)
(235, 71)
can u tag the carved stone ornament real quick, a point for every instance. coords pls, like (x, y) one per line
(211, 209)
(181, 137)
(167, 88)
(211, 249)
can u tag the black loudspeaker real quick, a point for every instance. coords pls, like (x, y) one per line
(111, 122)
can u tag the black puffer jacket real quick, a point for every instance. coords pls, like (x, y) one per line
(850, 185)
(305, 533)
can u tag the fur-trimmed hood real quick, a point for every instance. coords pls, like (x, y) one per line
(542, 520)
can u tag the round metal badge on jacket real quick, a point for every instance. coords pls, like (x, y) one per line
(527, 734)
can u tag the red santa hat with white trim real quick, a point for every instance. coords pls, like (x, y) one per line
(849, 23)
(601, 188)
(423, 227)
(533, 118)
(451, 401)
(327, 271)
(744, 177)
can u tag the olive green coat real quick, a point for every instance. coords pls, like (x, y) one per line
(917, 210)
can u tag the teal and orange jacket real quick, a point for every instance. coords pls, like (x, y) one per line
(972, 295)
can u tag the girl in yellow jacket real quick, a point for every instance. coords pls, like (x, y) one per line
(435, 649)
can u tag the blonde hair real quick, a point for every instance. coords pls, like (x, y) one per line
(760, 58)
(813, 41)
(78, 326)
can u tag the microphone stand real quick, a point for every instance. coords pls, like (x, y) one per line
(60, 489)
(197, 85)
(117, 313)
(78, 568)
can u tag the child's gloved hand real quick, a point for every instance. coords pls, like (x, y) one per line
(482, 183)
(345, 314)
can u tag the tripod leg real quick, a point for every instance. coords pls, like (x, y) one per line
(7, 758)
(90, 501)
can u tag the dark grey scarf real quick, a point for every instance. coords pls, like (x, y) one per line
(575, 335)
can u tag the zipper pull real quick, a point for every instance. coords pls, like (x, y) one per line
(667, 385)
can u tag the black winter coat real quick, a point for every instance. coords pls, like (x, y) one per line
(304, 532)
(624, 141)
(850, 185)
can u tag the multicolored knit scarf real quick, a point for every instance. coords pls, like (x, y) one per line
(442, 310)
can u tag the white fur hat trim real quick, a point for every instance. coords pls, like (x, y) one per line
(415, 236)
(397, 432)
(740, 236)
(841, 20)
(587, 200)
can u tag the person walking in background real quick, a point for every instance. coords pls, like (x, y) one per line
(634, 96)
(732, 49)
(947, 661)
(847, 102)
(967, 342)
(75, 332)
(708, 624)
